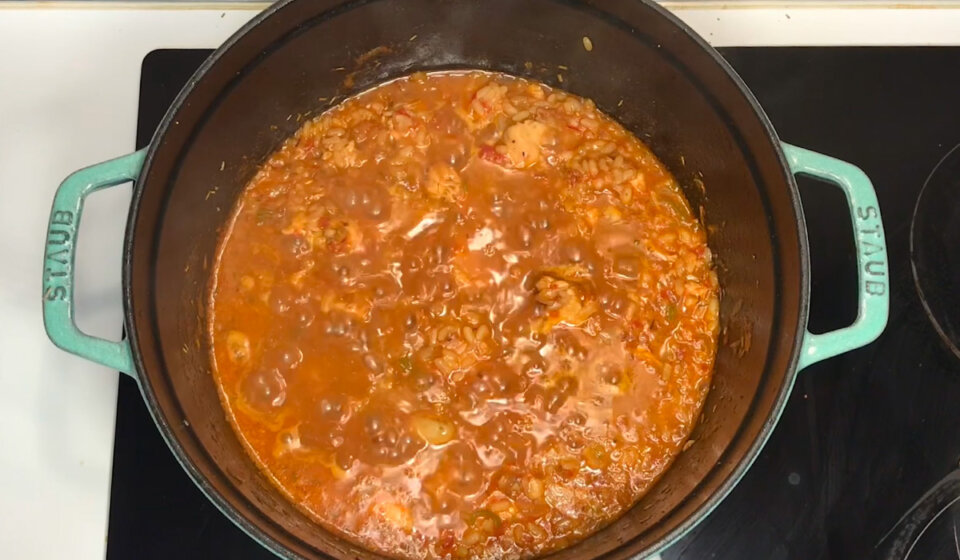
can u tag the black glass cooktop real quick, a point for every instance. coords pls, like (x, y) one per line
(862, 464)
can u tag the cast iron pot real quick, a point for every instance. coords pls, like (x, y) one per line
(293, 61)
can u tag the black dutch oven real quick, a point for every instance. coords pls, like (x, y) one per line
(639, 64)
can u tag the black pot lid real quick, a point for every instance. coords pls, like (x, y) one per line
(935, 248)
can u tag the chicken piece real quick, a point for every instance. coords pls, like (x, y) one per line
(444, 183)
(322, 232)
(301, 222)
(395, 514)
(402, 124)
(522, 143)
(564, 302)
(340, 236)
(569, 272)
(349, 305)
(487, 102)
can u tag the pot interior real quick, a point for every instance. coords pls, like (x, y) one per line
(304, 55)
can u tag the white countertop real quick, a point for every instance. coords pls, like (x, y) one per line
(69, 78)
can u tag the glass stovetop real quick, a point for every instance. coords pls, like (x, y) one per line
(865, 436)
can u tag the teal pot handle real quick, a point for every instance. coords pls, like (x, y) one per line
(873, 284)
(59, 258)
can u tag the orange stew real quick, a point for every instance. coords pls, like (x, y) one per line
(463, 315)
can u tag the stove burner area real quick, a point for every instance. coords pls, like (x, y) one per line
(920, 533)
(935, 248)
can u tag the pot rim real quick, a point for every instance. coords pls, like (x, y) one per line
(723, 488)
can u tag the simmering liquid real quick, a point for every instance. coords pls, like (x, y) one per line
(463, 315)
